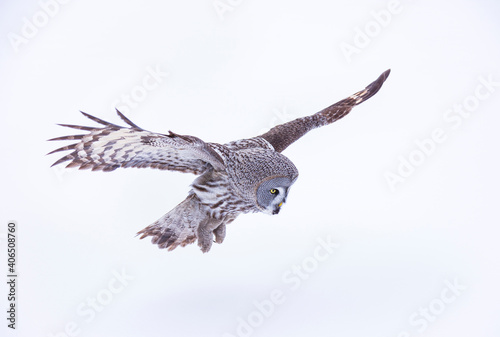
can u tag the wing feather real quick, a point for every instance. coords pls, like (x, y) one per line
(281, 136)
(112, 146)
(74, 137)
(126, 120)
(78, 127)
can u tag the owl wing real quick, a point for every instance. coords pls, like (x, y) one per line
(110, 147)
(281, 136)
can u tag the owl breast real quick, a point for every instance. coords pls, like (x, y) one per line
(234, 190)
(218, 196)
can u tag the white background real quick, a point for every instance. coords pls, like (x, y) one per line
(232, 75)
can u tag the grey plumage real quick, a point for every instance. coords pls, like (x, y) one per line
(248, 175)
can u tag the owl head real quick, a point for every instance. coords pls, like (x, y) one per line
(263, 177)
(272, 192)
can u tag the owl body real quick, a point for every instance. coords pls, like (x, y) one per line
(242, 176)
(218, 194)
(247, 162)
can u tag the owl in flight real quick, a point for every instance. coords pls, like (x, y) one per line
(248, 175)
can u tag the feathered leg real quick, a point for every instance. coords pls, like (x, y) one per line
(178, 227)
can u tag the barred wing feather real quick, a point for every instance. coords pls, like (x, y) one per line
(110, 147)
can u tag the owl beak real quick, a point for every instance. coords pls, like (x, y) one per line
(277, 209)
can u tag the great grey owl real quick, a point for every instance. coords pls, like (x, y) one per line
(248, 175)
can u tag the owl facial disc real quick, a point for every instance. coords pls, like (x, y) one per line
(272, 193)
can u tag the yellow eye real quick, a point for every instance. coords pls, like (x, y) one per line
(273, 191)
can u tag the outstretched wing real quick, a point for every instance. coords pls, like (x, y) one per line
(112, 146)
(281, 136)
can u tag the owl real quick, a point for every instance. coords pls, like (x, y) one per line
(248, 175)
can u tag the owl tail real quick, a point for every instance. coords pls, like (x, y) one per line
(185, 224)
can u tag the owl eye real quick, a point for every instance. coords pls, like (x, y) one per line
(273, 191)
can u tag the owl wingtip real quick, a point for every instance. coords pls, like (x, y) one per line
(384, 75)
